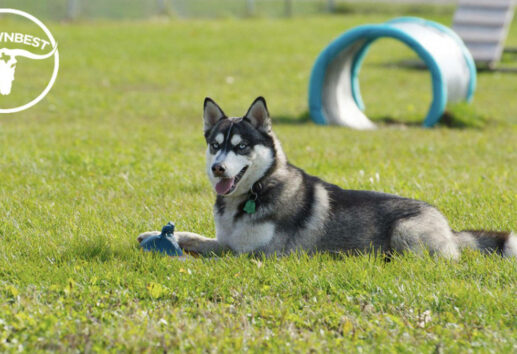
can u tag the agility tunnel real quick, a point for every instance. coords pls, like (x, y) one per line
(334, 94)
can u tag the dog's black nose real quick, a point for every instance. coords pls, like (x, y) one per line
(218, 169)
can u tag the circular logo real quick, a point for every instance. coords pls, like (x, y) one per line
(9, 58)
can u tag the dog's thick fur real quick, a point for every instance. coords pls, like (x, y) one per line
(296, 211)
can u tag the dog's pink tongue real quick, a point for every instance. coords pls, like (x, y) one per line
(224, 185)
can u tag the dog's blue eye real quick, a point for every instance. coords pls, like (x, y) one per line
(215, 146)
(242, 146)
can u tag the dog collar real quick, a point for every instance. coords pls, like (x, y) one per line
(250, 207)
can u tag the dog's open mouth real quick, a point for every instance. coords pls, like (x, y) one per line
(228, 185)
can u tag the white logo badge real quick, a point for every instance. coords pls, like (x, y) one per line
(9, 58)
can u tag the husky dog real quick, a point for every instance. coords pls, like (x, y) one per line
(266, 205)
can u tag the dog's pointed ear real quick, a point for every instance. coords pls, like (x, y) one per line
(212, 113)
(259, 115)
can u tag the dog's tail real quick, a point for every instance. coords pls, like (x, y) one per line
(504, 243)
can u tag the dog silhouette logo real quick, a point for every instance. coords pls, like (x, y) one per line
(10, 55)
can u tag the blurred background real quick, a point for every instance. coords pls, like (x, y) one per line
(178, 38)
(141, 9)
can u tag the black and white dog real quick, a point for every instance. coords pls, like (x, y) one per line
(266, 205)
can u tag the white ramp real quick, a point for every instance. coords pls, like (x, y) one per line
(483, 25)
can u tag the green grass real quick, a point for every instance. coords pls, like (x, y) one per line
(141, 9)
(116, 149)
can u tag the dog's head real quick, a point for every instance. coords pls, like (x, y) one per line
(240, 150)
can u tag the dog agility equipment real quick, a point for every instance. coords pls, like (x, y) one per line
(483, 25)
(334, 95)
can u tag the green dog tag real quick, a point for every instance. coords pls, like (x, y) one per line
(249, 207)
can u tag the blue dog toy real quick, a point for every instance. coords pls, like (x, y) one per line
(163, 243)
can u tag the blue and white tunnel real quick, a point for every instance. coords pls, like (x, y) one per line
(334, 95)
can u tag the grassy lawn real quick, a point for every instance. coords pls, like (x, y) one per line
(116, 149)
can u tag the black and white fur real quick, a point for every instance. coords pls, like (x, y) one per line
(296, 211)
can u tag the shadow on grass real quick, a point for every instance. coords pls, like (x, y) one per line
(95, 248)
(302, 119)
(501, 69)
(418, 65)
(508, 64)
(408, 64)
(450, 119)
(458, 116)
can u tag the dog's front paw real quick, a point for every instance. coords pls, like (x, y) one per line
(184, 241)
(187, 241)
(147, 234)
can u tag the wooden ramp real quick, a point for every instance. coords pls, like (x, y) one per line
(483, 25)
